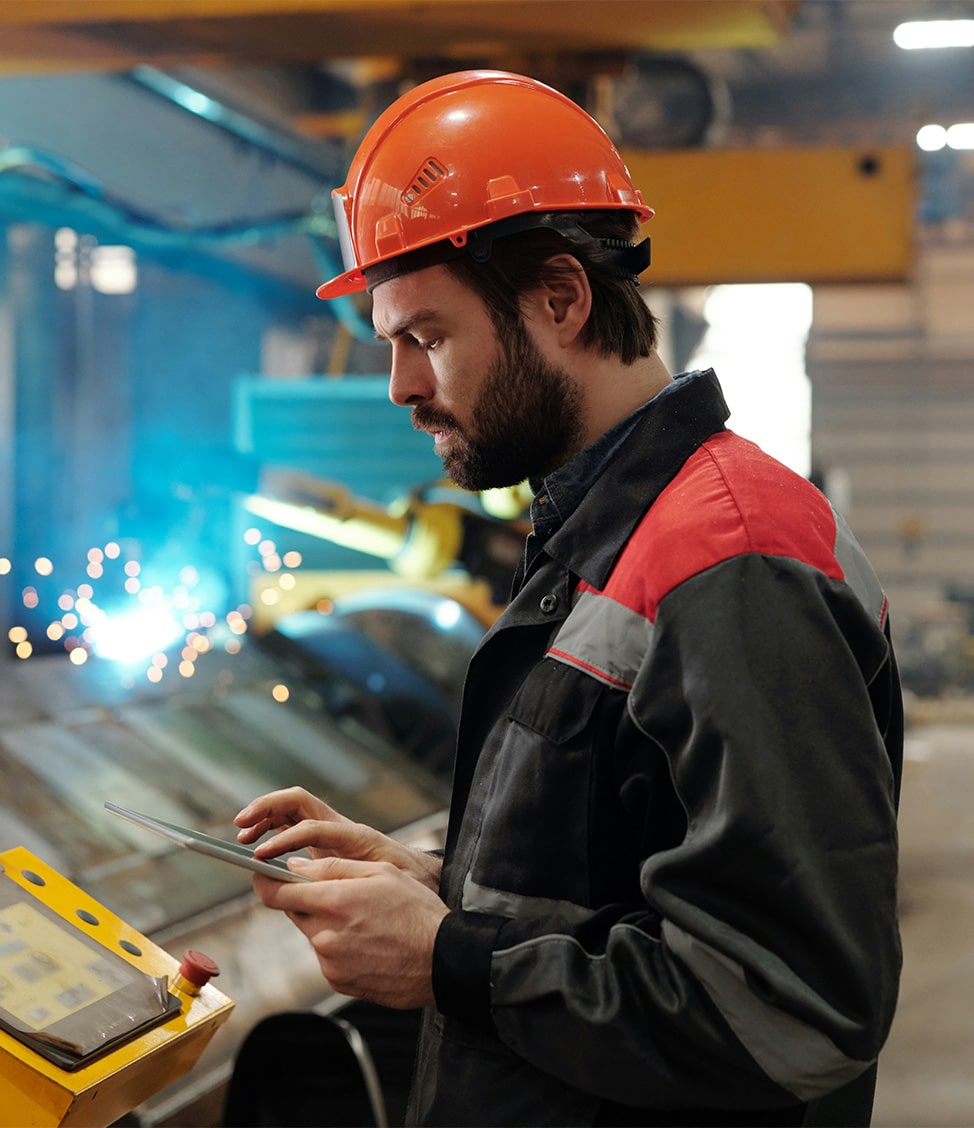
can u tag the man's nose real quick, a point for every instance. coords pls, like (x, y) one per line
(411, 377)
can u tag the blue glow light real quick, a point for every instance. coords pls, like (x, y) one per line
(133, 636)
(196, 102)
(447, 614)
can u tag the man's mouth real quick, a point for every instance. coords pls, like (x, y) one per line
(441, 430)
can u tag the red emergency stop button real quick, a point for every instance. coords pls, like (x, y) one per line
(196, 970)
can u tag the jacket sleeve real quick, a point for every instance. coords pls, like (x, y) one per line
(762, 965)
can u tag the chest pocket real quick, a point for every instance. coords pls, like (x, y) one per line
(536, 784)
(556, 702)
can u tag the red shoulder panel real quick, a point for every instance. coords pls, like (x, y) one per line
(730, 498)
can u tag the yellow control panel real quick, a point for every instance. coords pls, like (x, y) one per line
(94, 1017)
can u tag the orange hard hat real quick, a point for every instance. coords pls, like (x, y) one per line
(464, 151)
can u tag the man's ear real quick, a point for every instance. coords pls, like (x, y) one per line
(564, 296)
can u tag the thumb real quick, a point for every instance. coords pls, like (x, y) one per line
(331, 868)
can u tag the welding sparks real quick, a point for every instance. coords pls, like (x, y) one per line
(133, 621)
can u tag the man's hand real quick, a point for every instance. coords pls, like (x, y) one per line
(371, 924)
(371, 910)
(305, 822)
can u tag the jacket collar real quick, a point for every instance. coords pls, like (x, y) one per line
(667, 431)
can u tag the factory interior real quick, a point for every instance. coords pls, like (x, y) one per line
(227, 562)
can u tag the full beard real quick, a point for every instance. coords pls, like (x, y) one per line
(526, 422)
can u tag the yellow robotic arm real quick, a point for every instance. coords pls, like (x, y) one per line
(419, 538)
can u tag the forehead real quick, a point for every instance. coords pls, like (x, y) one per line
(433, 294)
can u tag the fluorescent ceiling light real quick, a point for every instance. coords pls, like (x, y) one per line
(934, 33)
(932, 138)
(961, 135)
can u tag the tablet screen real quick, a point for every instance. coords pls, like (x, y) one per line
(64, 994)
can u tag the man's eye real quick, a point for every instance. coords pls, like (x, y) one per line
(426, 346)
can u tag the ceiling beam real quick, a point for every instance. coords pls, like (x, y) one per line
(115, 34)
(727, 20)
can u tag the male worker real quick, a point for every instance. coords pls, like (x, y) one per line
(668, 894)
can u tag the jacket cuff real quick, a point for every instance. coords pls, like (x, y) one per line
(462, 953)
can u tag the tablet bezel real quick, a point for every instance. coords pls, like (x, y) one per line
(232, 852)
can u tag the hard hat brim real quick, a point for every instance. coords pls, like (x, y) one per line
(351, 282)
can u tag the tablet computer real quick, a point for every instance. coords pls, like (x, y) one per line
(231, 852)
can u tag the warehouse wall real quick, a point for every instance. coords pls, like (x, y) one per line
(893, 432)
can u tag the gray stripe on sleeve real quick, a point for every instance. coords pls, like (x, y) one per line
(603, 638)
(483, 899)
(793, 1054)
(859, 574)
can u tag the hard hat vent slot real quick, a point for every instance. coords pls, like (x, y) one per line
(430, 173)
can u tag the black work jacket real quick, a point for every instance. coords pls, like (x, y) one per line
(671, 862)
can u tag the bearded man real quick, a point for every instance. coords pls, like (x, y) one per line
(668, 891)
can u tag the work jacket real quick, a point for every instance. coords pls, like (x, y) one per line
(671, 861)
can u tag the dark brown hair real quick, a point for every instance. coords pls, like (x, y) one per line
(620, 324)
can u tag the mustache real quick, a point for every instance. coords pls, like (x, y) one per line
(426, 418)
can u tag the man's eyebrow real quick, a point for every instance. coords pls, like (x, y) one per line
(405, 324)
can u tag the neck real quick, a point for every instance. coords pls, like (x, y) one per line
(613, 390)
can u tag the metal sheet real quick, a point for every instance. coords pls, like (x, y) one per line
(192, 751)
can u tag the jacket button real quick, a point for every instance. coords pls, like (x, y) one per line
(549, 604)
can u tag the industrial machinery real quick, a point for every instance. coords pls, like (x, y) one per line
(94, 1017)
(346, 683)
(192, 750)
(421, 535)
(394, 653)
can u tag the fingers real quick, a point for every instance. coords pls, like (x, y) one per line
(279, 809)
(339, 837)
(322, 838)
(299, 821)
(335, 869)
(306, 898)
(371, 926)
(256, 831)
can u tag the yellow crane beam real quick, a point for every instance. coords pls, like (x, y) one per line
(822, 214)
(116, 34)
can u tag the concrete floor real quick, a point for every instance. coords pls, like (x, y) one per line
(926, 1075)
